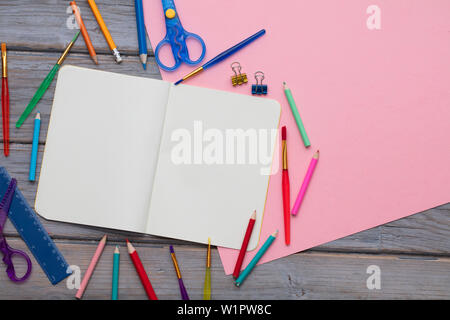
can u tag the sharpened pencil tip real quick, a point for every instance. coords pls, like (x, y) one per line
(275, 234)
(116, 250)
(144, 65)
(253, 217)
(95, 60)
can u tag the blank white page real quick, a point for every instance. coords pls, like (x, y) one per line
(205, 198)
(102, 147)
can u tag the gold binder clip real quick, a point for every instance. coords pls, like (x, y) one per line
(238, 78)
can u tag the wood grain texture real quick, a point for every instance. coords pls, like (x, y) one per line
(413, 253)
(300, 276)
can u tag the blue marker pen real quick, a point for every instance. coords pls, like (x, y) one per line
(35, 146)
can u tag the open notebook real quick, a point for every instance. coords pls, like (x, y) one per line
(143, 155)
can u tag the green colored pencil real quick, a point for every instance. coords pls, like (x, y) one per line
(115, 277)
(256, 258)
(45, 83)
(296, 115)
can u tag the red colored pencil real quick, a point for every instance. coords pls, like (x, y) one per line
(5, 102)
(248, 233)
(286, 191)
(141, 272)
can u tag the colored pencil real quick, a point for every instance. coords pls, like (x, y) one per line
(105, 31)
(207, 287)
(115, 276)
(35, 147)
(5, 101)
(248, 234)
(285, 188)
(223, 55)
(142, 39)
(84, 32)
(296, 115)
(141, 272)
(46, 83)
(256, 258)
(91, 268)
(305, 184)
(183, 291)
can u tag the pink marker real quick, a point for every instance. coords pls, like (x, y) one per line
(309, 173)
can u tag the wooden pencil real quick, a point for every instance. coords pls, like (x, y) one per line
(91, 268)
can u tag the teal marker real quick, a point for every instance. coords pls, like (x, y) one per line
(35, 147)
(115, 276)
(256, 258)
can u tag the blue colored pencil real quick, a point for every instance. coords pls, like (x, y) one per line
(256, 258)
(142, 39)
(115, 276)
(223, 55)
(35, 146)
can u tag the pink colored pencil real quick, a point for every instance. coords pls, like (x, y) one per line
(91, 267)
(306, 180)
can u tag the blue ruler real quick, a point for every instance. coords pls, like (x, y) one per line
(33, 233)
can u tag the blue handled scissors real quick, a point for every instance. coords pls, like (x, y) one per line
(176, 37)
(7, 251)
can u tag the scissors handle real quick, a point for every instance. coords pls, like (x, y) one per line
(163, 43)
(176, 37)
(8, 254)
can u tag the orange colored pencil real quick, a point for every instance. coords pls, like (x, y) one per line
(141, 272)
(87, 39)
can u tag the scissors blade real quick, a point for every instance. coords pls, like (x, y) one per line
(5, 204)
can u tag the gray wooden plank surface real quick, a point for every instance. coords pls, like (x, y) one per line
(423, 233)
(300, 276)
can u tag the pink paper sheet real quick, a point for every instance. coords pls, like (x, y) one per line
(375, 102)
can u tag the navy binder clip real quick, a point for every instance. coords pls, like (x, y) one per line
(259, 88)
